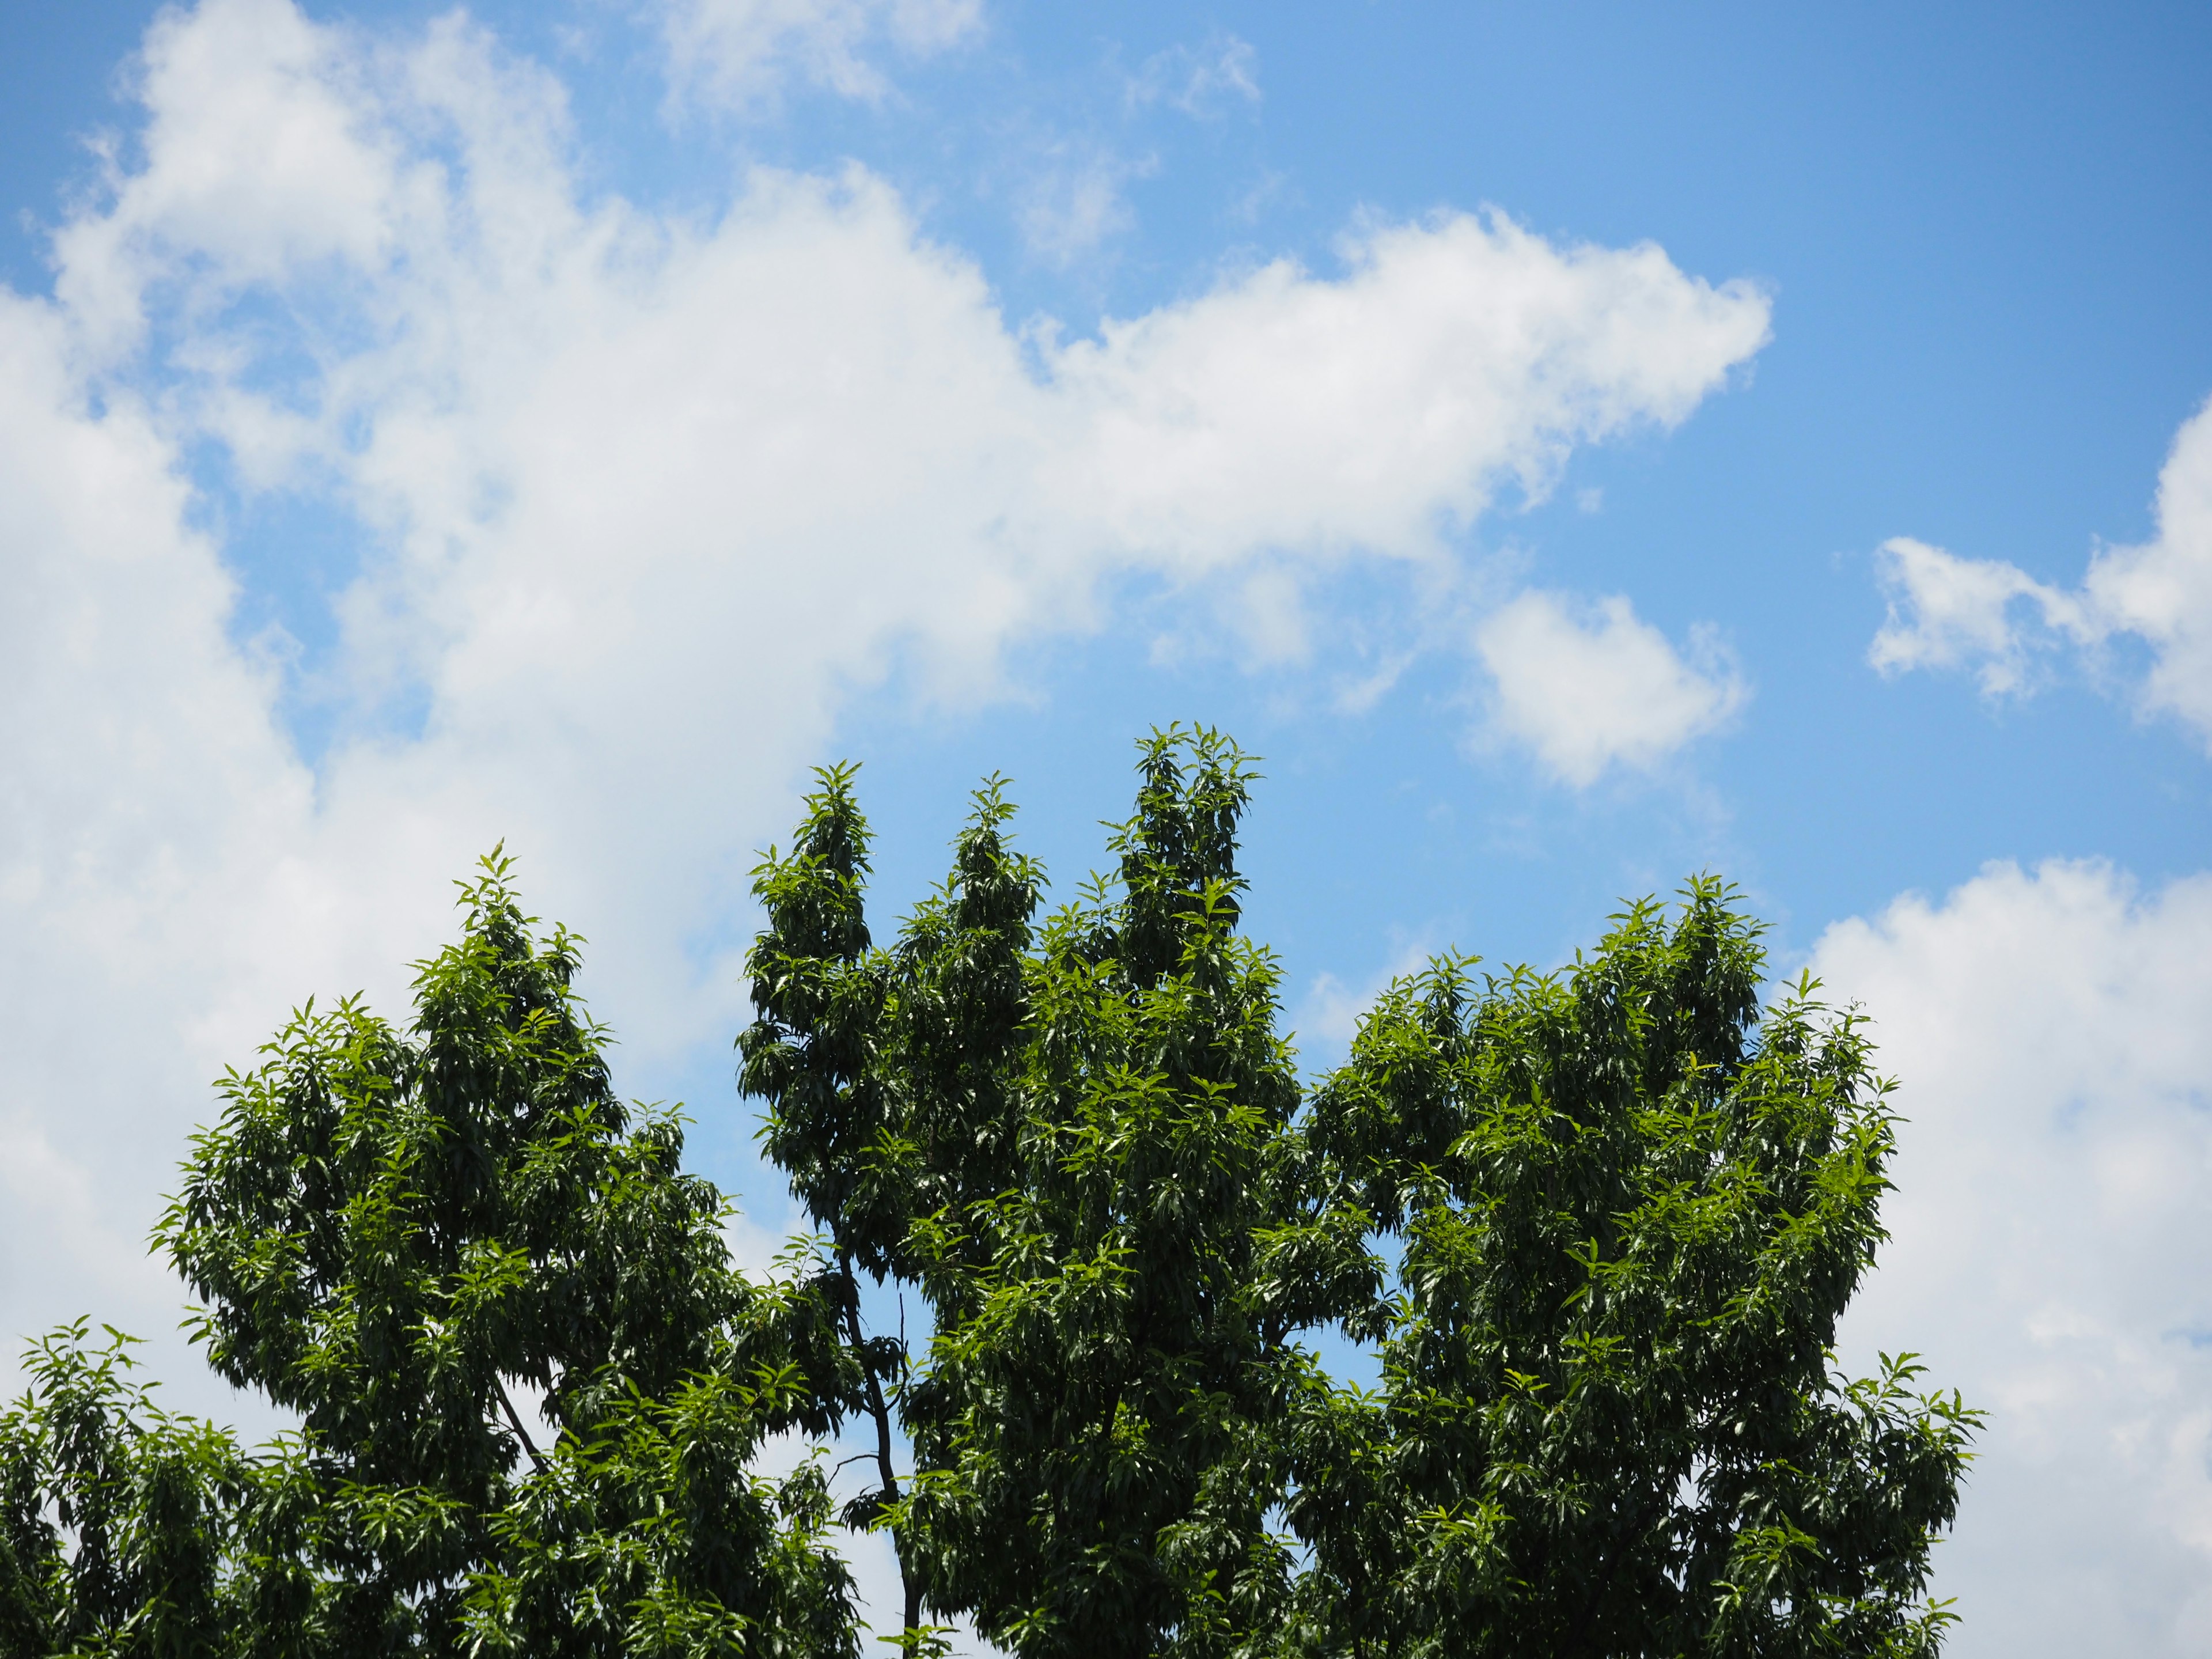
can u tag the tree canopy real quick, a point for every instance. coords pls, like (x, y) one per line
(1511, 1334)
(397, 1233)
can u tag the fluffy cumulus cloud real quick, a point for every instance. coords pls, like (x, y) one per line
(1946, 611)
(1586, 688)
(1374, 411)
(2050, 1226)
(143, 763)
(640, 501)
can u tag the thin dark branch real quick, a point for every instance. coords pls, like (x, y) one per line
(515, 1422)
(877, 1409)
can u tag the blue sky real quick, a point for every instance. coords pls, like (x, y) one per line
(573, 422)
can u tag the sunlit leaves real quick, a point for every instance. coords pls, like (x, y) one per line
(1598, 1225)
(416, 1240)
(1628, 1232)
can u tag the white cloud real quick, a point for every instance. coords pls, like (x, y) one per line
(642, 502)
(2162, 591)
(1074, 199)
(1200, 81)
(159, 878)
(737, 53)
(1376, 411)
(1945, 611)
(1588, 688)
(1327, 1017)
(2052, 1223)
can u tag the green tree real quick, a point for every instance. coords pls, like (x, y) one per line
(1608, 1422)
(398, 1233)
(1072, 1140)
(118, 1520)
(1624, 1221)
(1596, 1227)
(819, 989)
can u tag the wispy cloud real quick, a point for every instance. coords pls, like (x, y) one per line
(738, 55)
(1073, 199)
(1204, 81)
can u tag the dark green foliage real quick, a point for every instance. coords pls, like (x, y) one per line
(1624, 1231)
(1070, 1143)
(654, 1539)
(819, 991)
(1103, 1369)
(408, 1239)
(117, 1520)
(1597, 1228)
(391, 1228)
(1607, 1423)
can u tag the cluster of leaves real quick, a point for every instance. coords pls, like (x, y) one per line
(1595, 1230)
(411, 1240)
(1598, 1236)
(1606, 1421)
(124, 1528)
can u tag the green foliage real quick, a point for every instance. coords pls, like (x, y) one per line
(118, 1521)
(654, 1539)
(1624, 1230)
(397, 1235)
(1104, 1366)
(1607, 1423)
(1596, 1227)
